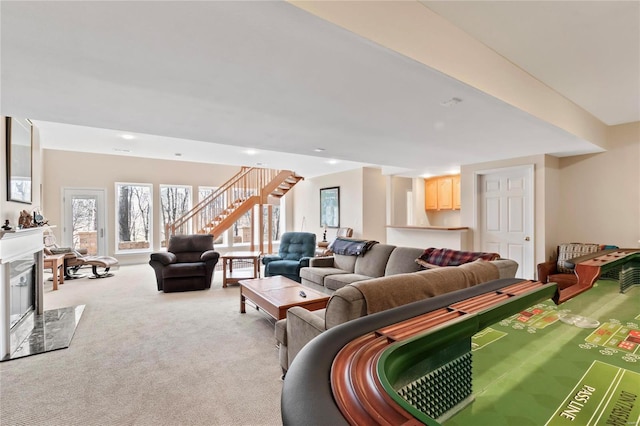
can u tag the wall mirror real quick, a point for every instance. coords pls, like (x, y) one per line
(19, 157)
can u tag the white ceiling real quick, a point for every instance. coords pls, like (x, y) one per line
(208, 80)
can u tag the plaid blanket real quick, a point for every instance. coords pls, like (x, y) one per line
(351, 247)
(434, 257)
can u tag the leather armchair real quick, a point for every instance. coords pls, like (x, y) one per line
(295, 250)
(188, 263)
(558, 270)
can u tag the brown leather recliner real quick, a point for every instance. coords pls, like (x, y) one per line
(188, 263)
(559, 271)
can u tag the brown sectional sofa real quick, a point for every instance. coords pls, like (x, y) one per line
(368, 296)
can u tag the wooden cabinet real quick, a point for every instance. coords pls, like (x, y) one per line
(442, 193)
(431, 194)
(456, 192)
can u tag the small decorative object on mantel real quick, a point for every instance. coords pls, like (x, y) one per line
(26, 220)
(6, 226)
(38, 219)
(324, 234)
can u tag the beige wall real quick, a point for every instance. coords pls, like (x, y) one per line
(600, 193)
(353, 198)
(374, 204)
(64, 169)
(8, 209)
(590, 198)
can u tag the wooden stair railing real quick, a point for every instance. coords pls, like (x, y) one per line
(223, 207)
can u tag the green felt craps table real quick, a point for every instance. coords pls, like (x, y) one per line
(573, 364)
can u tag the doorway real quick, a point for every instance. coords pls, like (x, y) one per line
(505, 212)
(84, 220)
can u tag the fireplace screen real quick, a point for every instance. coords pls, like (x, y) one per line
(23, 283)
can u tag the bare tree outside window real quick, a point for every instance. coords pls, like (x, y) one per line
(175, 201)
(134, 216)
(275, 223)
(84, 221)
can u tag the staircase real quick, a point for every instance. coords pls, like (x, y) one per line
(251, 186)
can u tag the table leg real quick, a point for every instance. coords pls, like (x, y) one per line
(242, 302)
(54, 268)
(256, 268)
(224, 272)
(61, 273)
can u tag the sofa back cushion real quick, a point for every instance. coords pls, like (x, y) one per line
(434, 257)
(398, 290)
(189, 248)
(374, 261)
(344, 262)
(402, 260)
(296, 245)
(570, 250)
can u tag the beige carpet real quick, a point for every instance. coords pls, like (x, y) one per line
(140, 357)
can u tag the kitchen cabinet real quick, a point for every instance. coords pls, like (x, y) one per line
(442, 193)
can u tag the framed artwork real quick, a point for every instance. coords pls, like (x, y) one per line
(19, 141)
(330, 207)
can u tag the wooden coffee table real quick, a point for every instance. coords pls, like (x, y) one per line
(275, 295)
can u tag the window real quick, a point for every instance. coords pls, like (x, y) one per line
(175, 201)
(133, 217)
(275, 222)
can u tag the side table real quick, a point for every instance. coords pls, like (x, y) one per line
(229, 276)
(56, 263)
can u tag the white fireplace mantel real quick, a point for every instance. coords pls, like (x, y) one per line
(15, 245)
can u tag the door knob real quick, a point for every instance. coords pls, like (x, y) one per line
(527, 238)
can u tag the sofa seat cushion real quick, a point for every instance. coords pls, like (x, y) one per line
(435, 257)
(317, 275)
(283, 267)
(179, 270)
(335, 282)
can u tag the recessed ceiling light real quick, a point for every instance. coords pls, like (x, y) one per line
(319, 150)
(121, 150)
(451, 102)
(178, 154)
(251, 152)
(127, 136)
(332, 161)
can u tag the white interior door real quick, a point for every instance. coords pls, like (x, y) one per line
(84, 220)
(505, 215)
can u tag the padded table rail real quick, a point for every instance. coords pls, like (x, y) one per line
(355, 373)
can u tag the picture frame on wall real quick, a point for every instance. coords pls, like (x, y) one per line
(19, 137)
(330, 207)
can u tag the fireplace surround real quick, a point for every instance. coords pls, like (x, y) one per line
(17, 248)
